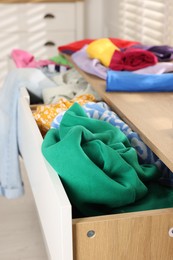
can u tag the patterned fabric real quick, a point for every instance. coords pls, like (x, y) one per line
(45, 114)
(69, 84)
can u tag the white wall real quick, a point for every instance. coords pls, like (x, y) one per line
(94, 27)
(149, 22)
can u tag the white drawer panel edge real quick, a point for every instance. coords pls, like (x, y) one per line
(53, 206)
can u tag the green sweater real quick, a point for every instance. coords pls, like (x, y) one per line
(98, 167)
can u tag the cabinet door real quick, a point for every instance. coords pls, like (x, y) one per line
(129, 236)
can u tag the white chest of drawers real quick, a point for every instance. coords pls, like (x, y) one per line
(38, 27)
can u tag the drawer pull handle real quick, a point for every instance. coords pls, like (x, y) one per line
(171, 232)
(49, 16)
(91, 233)
(49, 43)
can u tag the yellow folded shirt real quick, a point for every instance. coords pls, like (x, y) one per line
(101, 49)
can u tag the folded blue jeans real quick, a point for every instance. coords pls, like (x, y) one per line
(11, 185)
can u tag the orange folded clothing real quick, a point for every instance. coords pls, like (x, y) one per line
(45, 114)
(132, 59)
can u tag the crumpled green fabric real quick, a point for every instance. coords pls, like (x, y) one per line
(97, 166)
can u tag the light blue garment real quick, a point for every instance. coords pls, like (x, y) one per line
(34, 80)
(132, 82)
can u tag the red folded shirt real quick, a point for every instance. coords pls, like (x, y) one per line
(132, 59)
(74, 46)
(77, 45)
(121, 43)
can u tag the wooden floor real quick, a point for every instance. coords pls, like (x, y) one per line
(20, 233)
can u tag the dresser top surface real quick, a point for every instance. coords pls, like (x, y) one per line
(149, 114)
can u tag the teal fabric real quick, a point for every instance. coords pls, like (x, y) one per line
(98, 167)
(158, 197)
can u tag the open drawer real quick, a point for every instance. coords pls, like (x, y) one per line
(128, 236)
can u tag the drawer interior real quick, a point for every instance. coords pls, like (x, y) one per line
(136, 235)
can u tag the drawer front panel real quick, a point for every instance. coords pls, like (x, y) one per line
(49, 16)
(131, 236)
(42, 44)
(51, 201)
(37, 17)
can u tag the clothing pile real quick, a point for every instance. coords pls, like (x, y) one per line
(117, 172)
(125, 65)
(103, 174)
(110, 169)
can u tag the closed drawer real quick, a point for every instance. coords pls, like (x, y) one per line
(49, 16)
(44, 44)
(41, 44)
(37, 17)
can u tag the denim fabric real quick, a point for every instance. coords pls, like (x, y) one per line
(11, 185)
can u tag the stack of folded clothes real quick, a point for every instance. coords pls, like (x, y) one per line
(125, 65)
